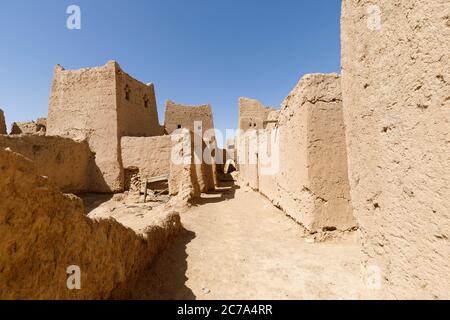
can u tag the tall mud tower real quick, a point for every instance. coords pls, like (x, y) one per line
(101, 105)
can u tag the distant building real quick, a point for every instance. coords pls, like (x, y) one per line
(102, 105)
(252, 114)
(179, 116)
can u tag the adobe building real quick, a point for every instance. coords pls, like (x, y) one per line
(178, 116)
(101, 105)
(252, 114)
(103, 132)
(2, 122)
(396, 92)
(307, 174)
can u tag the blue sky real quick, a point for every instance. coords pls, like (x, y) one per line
(194, 51)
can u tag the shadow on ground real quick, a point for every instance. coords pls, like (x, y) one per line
(225, 191)
(94, 200)
(166, 277)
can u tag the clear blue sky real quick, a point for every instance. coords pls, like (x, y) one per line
(194, 51)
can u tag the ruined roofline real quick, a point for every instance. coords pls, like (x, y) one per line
(60, 68)
(311, 80)
(242, 101)
(249, 99)
(172, 104)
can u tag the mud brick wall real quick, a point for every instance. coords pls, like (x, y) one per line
(396, 91)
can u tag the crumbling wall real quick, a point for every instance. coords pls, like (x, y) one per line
(205, 166)
(189, 174)
(267, 183)
(179, 116)
(136, 106)
(248, 159)
(83, 106)
(396, 89)
(42, 123)
(151, 155)
(327, 153)
(43, 232)
(65, 162)
(305, 172)
(2, 123)
(29, 128)
(183, 177)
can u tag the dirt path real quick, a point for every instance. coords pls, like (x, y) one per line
(238, 246)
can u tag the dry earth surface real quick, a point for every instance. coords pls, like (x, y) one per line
(238, 246)
(126, 209)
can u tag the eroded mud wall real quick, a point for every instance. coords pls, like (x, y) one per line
(65, 162)
(396, 90)
(300, 160)
(43, 232)
(189, 174)
(83, 105)
(150, 154)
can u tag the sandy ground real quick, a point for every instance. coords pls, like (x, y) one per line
(238, 246)
(129, 210)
